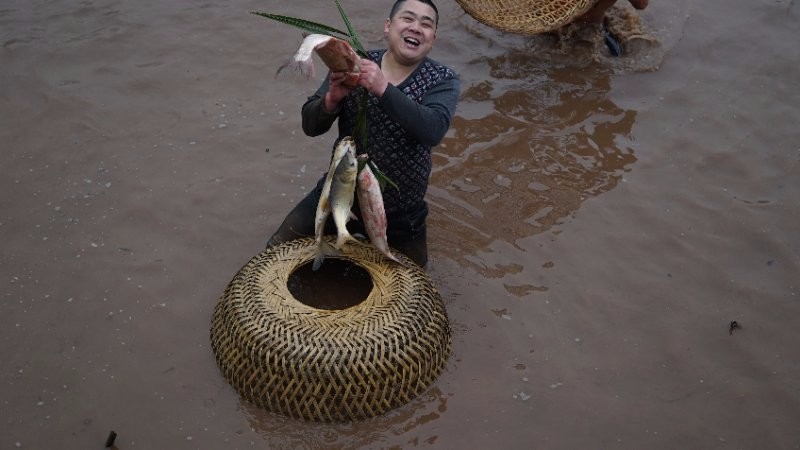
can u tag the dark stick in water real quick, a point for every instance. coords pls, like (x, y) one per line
(110, 439)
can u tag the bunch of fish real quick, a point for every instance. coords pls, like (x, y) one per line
(338, 192)
(337, 54)
(343, 178)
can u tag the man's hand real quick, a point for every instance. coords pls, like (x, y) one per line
(372, 78)
(338, 88)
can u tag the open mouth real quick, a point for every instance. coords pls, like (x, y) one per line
(411, 41)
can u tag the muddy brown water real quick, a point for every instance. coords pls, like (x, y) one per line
(596, 225)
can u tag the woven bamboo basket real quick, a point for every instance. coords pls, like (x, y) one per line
(330, 365)
(525, 16)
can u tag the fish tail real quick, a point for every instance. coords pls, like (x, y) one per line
(343, 238)
(323, 249)
(394, 258)
(389, 255)
(304, 66)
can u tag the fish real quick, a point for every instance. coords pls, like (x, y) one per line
(344, 146)
(342, 195)
(370, 201)
(336, 53)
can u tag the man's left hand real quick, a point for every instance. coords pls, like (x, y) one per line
(372, 78)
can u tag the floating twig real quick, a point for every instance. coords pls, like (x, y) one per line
(110, 439)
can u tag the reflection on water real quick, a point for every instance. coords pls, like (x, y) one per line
(529, 145)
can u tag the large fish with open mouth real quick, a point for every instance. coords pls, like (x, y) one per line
(337, 54)
(344, 146)
(370, 200)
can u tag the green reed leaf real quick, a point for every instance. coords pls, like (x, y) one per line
(380, 176)
(353, 35)
(306, 25)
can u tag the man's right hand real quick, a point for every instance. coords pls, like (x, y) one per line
(338, 88)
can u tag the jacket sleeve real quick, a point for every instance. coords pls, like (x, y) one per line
(316, 120)
(429, 120)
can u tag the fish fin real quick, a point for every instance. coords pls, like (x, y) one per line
(323, 249)
(389, 255)
(318, 260)
(343, 238)
(305, 67)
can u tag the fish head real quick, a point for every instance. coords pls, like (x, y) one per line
(343, 185)
(347, 141)
(348, 166)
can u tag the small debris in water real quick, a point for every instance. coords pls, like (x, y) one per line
(112, 436)
(500, 312)
(522, 396)
(503, 181)
(734, 325)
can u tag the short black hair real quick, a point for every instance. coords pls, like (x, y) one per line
(399, 3)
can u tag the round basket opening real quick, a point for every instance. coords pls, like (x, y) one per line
(338, 284)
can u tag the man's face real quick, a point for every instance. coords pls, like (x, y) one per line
(411, 31)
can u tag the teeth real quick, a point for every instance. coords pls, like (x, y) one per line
(412, 41)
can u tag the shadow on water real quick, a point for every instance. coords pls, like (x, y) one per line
(530, 145)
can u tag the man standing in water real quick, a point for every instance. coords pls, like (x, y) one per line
(412, 101)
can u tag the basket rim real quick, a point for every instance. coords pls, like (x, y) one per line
(358, 253)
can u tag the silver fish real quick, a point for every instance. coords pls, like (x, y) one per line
(370, 200)
(344, 146)
(342, 194)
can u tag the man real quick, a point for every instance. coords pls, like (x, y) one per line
(412, 100)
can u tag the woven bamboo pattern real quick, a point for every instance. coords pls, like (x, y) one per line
(525, 16)
(330, 365)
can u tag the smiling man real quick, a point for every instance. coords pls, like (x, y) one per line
(412, 101)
